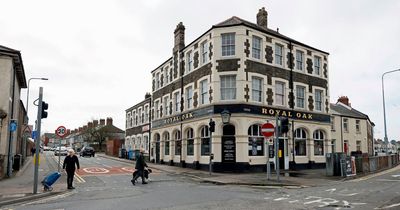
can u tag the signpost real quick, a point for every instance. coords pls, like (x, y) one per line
(267, 130)
(60, 132)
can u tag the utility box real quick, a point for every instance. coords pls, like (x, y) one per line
(333, 167)
(17, 162)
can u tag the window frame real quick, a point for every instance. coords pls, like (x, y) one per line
(189, 97)
(255, 140)
(317, 65)
(279, 57)
(300, 99)
(318, 137)
(204, 92)
(204, 137)
(299, 60)
(255, 92)
(228, 44)
(204, 52)
(256, 46)
(190, 142)
(319, 106)
(282, 94)
(228, 92)
(302, 139)
(189, 61)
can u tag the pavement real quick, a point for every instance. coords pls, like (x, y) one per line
(288, 179)
(19, 188)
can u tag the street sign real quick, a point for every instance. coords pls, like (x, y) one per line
(61, 131)
(267, 129)
(34, 134)
(13, 125)
(270, 141)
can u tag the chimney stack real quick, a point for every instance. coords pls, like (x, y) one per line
(80, 129)
(179, 35)
(344, 100)
(95, 123)
(109, 121)
(148, 95)
(90, 125)
(102, 121)
(262, 18)
(85, 127)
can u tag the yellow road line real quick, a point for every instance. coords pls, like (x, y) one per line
(77, 177)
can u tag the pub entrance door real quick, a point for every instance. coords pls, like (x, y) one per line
(228, 142)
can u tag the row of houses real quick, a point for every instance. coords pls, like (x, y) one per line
(241, 75)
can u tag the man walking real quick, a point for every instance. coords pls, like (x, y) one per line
(140, 164)
(69, 165)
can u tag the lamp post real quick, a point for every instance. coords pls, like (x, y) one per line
(27, 95)
(384, 111)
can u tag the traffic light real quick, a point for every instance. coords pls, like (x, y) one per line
(45, 106)
(212, 126)
(284, 124)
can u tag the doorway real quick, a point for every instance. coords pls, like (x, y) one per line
(228, 144)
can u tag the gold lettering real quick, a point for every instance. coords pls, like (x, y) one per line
(277, 112)
(284, 113)
(264, 111)
(271, 112)
(191, 115)
(304, 116)
(310, 116)
(298, 115)
(289, 114)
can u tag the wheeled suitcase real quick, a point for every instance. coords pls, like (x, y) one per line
(50, 180)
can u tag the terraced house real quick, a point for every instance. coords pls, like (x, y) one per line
(253, 74)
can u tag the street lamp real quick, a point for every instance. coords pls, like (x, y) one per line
(27, 96)
(384, 111)
(226, 116)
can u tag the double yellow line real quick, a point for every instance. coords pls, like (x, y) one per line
(77, 177)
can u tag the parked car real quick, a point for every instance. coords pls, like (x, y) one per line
(87, 151)
(61, 151)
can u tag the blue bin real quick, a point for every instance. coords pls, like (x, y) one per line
(131, 154)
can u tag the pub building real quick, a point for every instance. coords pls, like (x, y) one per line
(240, 75)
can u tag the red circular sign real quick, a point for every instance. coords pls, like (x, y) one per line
(61, 131)
(267, 129)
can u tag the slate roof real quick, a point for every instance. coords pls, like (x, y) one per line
(234, 21)
(347, 111)
(17, 59)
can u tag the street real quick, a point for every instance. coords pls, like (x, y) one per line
(105, 184)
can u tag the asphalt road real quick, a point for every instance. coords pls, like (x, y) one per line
(105, 184)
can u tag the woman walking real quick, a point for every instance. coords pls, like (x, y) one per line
(69, 165)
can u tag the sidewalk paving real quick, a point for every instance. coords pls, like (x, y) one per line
(19, 188)
(289, 179)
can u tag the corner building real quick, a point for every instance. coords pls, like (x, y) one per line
(255, 74)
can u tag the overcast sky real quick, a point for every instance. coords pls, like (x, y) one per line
(98, 55)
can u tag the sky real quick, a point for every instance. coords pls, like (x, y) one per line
(98, 54)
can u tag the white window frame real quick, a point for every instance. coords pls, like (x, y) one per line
(189, 61)
(257, 92)
(177, 101)
(318, 138)
(299, 60)
(256, 47)
(317, 65)
(228, 44)
(204, 52)
(299, 137)
(204, 99)
(189, 97)
(281, 94)
(319, 105)
(300, 96)
(346, 124)
(228, 87)
(278, 56)
(358, 126)
(166, 105)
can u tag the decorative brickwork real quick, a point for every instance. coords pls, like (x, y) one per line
(327, 106)
(247, 47)
(210, 48)
(268, 54)
(325, 70)
(310, 103)
(291, 100)
(196, 59)
(195, 102)
(270, 96)
(309, 52)
(309, 66)
(228, 65)
(246, 96)
(162, 80)
(210, 92)
(288, 56)
(268, 39)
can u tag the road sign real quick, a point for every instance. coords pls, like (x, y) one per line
(267, 129)
(34, 134)
(13, 125)
(61, 131)
(270, 141)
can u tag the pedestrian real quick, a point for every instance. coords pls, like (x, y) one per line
(69, 166)
(33, 150)
(140, 165)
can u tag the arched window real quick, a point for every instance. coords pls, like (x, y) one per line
(178, 142)
(190, 141)
(205, 141)
(256, 141)
(318, 142)
(146, 143)
(300, 142)
(166, 143)
(139, 143)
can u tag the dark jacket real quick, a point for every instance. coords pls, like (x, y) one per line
(140, 164)
(69, 163)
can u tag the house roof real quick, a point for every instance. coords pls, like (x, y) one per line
(18, 65)
(347, 111)
(234, 21)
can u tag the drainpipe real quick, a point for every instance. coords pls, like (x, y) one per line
(341, 132)
(10, 137)
(182, 103)
(150, 130)
(291, 90)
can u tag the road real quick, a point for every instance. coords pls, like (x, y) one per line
(105, 184)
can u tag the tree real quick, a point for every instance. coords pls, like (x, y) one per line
(95, 134)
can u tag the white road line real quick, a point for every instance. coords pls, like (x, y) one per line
(388, 207)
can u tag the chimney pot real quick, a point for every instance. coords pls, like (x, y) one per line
(179, 35)
(262, 18)
(109, 121)
(344, 100)
(102, 121)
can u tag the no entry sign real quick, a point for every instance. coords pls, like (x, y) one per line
(267, 129)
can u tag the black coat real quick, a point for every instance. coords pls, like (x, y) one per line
(69, 163)
(140, 164)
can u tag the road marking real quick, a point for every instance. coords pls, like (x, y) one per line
(45, 200)
(96, 170)
(387, 180)
(395, 176)
(377, 174)
(280, 199)
(388, 207)
(331, 190)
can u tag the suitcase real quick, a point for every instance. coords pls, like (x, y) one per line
(50, 180)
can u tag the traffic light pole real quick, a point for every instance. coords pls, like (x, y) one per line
(268, 164)
(277, 132)
(37, 141)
